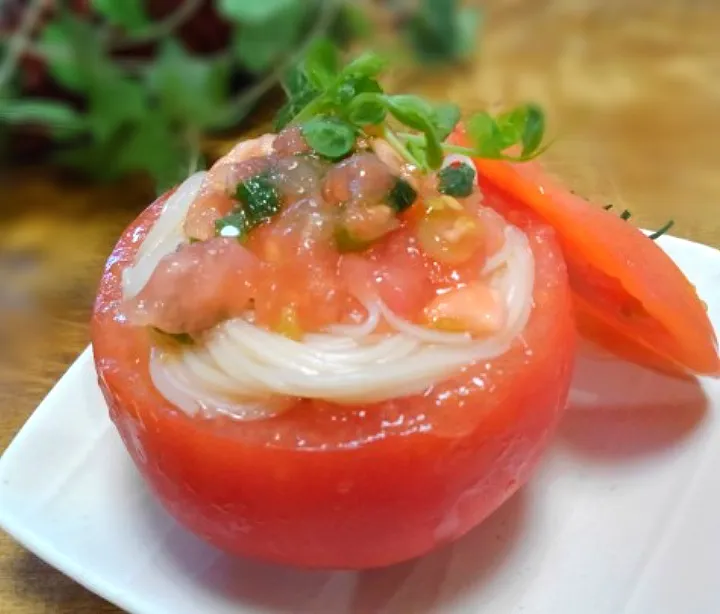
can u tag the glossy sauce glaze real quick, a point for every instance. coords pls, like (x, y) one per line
(333, 239)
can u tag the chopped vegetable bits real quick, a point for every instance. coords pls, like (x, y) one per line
(457, 179)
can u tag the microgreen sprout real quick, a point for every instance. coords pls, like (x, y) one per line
(334, 104)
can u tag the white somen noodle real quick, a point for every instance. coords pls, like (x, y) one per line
(247, 372)
(164, 237)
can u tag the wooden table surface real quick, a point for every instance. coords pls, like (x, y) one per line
(632, 88)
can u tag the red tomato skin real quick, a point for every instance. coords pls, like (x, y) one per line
(368, 503)
(667, 327)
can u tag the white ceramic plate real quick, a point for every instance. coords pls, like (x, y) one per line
(622, 517)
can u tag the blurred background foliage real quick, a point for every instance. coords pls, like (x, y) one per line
(111, 87)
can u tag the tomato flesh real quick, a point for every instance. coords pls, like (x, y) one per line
(331, 486)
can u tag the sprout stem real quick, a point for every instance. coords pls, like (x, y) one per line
(398, 145)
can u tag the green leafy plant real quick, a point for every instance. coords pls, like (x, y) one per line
(334, 104)
(135, 96)
(441, 29)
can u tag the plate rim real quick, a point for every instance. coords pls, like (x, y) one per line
(23, 533)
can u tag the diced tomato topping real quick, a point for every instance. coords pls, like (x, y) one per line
(196, 287)
(473, 308)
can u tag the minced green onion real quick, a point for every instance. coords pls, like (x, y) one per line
(259, 197)
(456, 180)
(401, 196)
(235, 225)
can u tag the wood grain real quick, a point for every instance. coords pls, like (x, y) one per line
(632, 90)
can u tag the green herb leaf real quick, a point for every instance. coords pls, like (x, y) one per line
(333, 108)
(524, 125)
(413, 111)
(445, 118)
(533, 131)
(294, 82)
(190, 89)
(115, 102)
(487, 137)
(348, 88)
(511, 125)
(431, 30)
(129, 14)
(62, 64)
(80, 62)
(329, 136)
(401, 196)
(96, 158)
(154, 146)
(73, 52)
(300, 93)
(368, 64)
(418, 114)
(441, 31)
(258, 45)
(289, 111)
(351, 23)
(467, 24)
(367, 109)
(325, 91)
(249, 11)
(321, 63)
(457, 180)
(63, 121)
(234, 225)
(259, 197)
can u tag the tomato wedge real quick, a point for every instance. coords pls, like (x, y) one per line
(331, 486)
(629, 295)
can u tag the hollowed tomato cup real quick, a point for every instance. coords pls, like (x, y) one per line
(336, 486)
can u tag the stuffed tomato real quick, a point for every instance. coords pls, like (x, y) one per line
(365, 374)
(349, 342)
